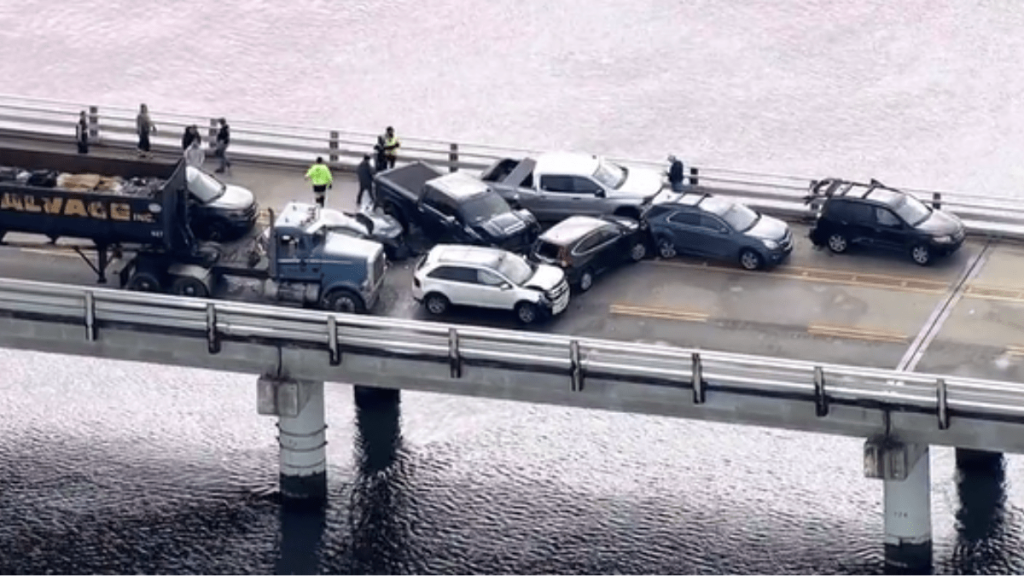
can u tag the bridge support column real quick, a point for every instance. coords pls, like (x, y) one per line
(968, 459)
(905, 473)
(370, 396)
(299, 406)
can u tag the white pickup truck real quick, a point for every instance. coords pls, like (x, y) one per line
(557, 185)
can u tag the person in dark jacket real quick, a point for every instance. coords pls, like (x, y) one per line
(381, 159)
(675, 174)
(82, 134)
(221, 150)
(365, 173)
(191, 134)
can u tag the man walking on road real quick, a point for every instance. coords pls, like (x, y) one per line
(675, 174)
(365, 173)
(391, 145)
(221, 149)
(320, 176)
(143, 127)
(82, 134)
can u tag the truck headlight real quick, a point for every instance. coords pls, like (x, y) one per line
(770, 244)
(947, 239)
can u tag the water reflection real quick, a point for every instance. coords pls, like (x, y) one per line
(982, 539)
(379, 539)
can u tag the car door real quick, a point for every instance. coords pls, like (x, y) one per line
(296, 260)
(557, 197)
(589, 196)
(854, 220)
(436, 215)
(687, 234)
(716, 237)
(889, 230)
(495, 290)
(595, 250)
(457, 283)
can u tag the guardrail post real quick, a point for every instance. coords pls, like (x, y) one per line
(820, 399)
(937, 201)
(453, 158)
(575, 370)
(697, 379)
(213, 130)
(942, 403)
(94, 123)
(454, 357)
(90, 317)
(212, 339)
(693, 176)
(332, 340)
(333, 145)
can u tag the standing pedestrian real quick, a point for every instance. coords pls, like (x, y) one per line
(191, 134)
(221, 150)
(365, 173)
(380, 159)
(194, 155)
(320, 176)
(675, 174)
(391, 145)
(143, 127)
(82, 134)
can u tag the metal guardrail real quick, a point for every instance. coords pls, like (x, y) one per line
(578, 359)
(779, 194)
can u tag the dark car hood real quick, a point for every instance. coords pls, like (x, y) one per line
(940, 224)
(502, 225)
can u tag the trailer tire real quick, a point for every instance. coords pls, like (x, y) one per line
(144, 281)
(190, 287)
(345, 301)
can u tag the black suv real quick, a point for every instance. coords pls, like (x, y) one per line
(875, 215)
(585, 246)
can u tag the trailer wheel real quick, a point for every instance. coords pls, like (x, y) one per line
(344, 301)
(191, 287)
(143, 281)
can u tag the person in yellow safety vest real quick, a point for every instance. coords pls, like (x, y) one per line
(391, 145)
(320, 176)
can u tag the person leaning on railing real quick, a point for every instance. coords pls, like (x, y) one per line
(143, 127)
(675, 174)
(82, 134)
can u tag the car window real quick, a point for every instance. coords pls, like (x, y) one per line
(515, 268)
(547, 250)
(913, 211)
(488, 278)
(439, 202)
(588, 243)
(483, 207)
(585, 185)
(886, 218)
(561, 184)
(454, 274)
(850, 211)
(685, 218)
(711, 223)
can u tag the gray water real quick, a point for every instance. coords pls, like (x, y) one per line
(117, 467)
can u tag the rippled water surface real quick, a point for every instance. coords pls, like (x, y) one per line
(111, 467)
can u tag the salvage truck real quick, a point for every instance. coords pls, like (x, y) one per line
(142, 218)
(557, 185)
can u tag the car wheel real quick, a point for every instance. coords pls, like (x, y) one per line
(526, 312)
(144, 282)
(637, 252)
(921, 254)
(750, 260)
(344, 301)
(436, 304)
(666, 248)
(586, 280)
(190, 287)
(837, 243)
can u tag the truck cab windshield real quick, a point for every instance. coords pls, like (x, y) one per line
(482, 207)
(203, 186)
(611, 175)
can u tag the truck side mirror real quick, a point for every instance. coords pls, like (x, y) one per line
(599, 193)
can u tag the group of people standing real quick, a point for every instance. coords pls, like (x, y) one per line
(385, 156)
(191, 141)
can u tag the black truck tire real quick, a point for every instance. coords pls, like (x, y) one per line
(190, 287)
(344, 301)
(144, 281)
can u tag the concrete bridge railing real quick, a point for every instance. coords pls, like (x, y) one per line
(505, 364)
(114, 126)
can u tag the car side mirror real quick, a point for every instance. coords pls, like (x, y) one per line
(505, 286)
(599, 193)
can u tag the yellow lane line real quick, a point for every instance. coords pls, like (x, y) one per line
(50, 252)
(658, 313)
(826, 277)
(1015, 350)
(855, 333)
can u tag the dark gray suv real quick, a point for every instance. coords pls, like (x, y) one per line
(716, 228)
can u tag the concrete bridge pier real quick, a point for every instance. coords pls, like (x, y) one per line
(302, 436)
(905, 473)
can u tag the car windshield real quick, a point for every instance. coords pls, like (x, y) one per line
(912, 210)
(203, 186)
(483, 207)
(611, 175)
(515, 268)
(737, 216)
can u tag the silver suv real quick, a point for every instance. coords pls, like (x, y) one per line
(455, 275)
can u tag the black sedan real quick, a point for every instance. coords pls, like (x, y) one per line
(585, 246)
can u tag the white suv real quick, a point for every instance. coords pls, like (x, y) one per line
(488, 278)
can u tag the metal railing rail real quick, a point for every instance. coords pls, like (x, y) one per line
(781, 194)
(578, 359)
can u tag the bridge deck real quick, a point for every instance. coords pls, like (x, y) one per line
(965, 313)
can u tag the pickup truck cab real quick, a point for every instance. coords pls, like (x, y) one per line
(558, 185)
(454, 208)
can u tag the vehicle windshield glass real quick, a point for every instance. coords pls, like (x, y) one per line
(203, 186)
(482, 207)
(515, 268)
(611, 175)
(912, 210)
(737, 216)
